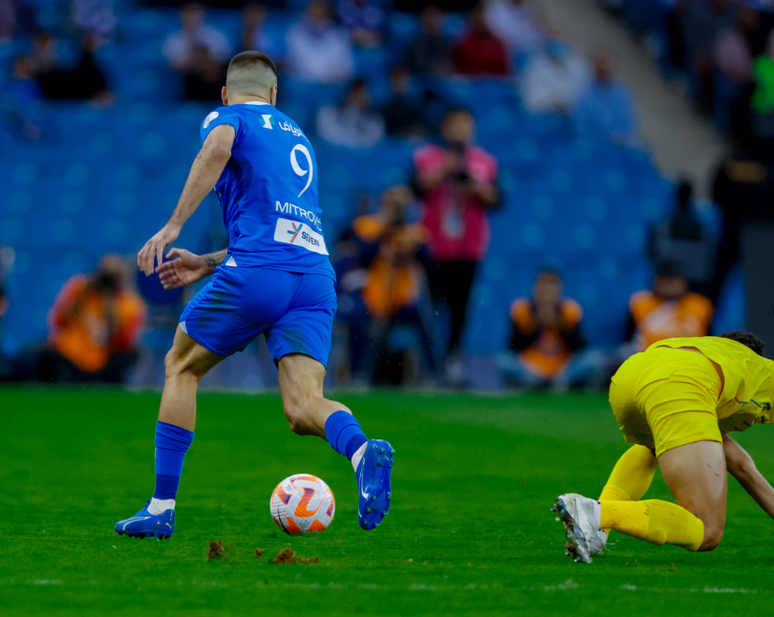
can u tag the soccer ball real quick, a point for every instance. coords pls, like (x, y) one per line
(302, 504)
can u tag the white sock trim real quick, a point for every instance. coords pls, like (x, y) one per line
(157, 506)
(358, 455)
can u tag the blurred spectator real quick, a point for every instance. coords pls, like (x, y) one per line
(94, 326)
(256, 36)
(554, 80)
(517, 23)
(182, 49)
(732, 52)
(431, 52)
(354, 123)
(480, 52)
(20, 101)
(318, 50)
(383, 281)
(458, 185)
(669, 310)
(547, 345)
(85, 81)
(404, 114)
(205, 77)
(743, 189)
(16, 19)
(364, 19)
(702, 22)
(684, 240)
(606, 109)
(97, 18)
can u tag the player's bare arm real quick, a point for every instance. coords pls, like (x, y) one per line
(742, 467)
(204, 174)
(185, 268)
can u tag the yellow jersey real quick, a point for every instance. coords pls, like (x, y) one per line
(748, 392)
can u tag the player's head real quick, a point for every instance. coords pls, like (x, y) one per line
(458, 126)
(746, 338)
(669, 282)
(548, 286)
(252, 75)
(395, 201)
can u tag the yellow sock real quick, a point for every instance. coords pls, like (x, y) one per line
(655, 521)
(631, 476)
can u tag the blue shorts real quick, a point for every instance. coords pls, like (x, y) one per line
(294, 311)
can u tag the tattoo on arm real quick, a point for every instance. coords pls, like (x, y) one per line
(213, 260)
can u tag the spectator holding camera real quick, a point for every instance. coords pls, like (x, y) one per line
(547, 346)
(94, 325)
(382, 280)
(457, 182)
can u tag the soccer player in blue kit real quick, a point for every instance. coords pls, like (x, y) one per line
(274, 279)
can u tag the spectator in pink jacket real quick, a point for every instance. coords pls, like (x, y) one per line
(458, 185)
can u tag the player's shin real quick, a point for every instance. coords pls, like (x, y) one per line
(631, 477)
(344, 434)
(172, 443)
(655, 521)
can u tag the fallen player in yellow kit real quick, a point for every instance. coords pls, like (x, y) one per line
(677, 402)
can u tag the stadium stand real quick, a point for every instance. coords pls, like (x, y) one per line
(104, 179)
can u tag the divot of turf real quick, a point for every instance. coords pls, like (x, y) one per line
(216, 550)
(258, 552)
(286, 555)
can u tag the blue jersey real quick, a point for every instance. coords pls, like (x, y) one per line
(268, 192)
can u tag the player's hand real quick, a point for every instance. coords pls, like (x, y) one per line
(182, 268)
(154, 249)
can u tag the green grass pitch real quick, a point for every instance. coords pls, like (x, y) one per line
(469, 533)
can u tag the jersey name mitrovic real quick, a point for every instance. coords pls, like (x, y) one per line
(268, 192)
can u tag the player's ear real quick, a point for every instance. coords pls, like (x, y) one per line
(224, 96)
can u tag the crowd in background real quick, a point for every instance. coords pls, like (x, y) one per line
(418, 254)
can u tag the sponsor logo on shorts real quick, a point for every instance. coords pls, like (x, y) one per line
(299, 234)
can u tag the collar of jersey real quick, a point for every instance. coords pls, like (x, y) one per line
(255, 103)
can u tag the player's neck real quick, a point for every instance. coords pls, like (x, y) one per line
(241, 100)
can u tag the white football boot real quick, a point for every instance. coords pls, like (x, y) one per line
(581, 518)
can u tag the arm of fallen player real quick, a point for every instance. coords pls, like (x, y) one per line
(742, 467)
(204, 174)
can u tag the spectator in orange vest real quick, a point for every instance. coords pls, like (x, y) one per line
(385, 274)
(547, 347)
(94, 326)
(669, 310)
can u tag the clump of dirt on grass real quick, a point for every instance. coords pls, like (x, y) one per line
(216, 550)
(308, 560)
(258, 552)
(286, 555)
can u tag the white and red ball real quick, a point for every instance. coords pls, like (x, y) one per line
(302, 504)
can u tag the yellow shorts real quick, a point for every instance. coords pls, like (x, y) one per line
(666, 398)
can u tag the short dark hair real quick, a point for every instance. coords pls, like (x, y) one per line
(745, 338)
(250, 70)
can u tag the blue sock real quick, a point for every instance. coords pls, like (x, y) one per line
(172, 442)
(344, 433)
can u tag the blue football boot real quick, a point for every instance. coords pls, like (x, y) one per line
(373, 483)
(146, 525)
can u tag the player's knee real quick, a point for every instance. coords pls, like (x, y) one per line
(713, 535)
(177, 365)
